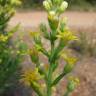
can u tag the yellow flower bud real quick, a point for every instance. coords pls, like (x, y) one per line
(63, 6)
(68, 68)
(53, 20)
(3, 38)
(75, 79)
(34, 55)
(73, 83)
(47, 5)
(52, 14)
(31, 76)
(70, 64)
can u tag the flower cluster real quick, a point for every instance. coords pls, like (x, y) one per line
(31, 76)
(49, 5)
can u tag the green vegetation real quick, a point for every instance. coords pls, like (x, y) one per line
(9, 57)
(41, 78)
(45, 72)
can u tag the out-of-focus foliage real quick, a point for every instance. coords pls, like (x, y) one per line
(39, 1)
(9, 54)
(6, 12)
(74, 4)
(86, 44)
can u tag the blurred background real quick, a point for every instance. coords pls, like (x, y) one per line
(84, 5)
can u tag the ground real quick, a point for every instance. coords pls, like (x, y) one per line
(75, 19)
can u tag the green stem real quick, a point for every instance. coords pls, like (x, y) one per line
(58, 79)
(50, 71)
(55, 51)
(49, 80)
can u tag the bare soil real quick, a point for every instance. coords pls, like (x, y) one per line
(75, 19)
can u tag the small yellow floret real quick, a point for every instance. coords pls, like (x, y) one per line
(3, 38)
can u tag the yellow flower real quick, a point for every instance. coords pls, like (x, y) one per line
(66, 36)
(75, 79)
(67, 57)
(70, 65)
(34, 34)
(70, 62)
(31, 76)
(3, 38)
